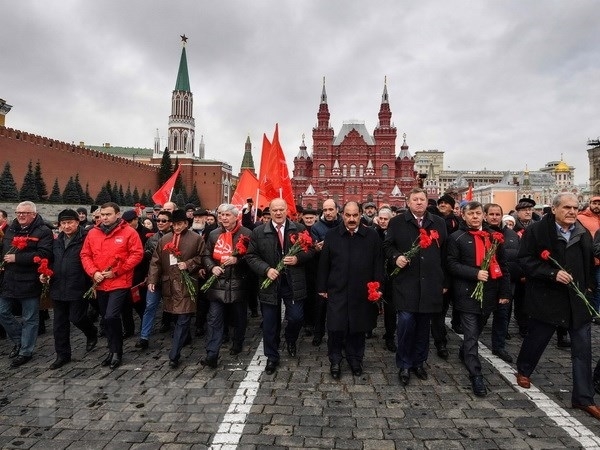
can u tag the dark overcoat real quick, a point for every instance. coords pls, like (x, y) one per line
(231, 286)
(461, 263)
(347, 263)
(263, 253)
(69, 281)
(547, 300)
(21, 278)
(419, 285)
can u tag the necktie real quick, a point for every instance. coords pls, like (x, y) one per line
(280, 235)
(420, 222)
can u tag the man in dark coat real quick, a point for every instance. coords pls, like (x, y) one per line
(419, 286)
(269, 244)
(229, 290)
(551, 299)
(467, 248)
(20, 279)
(67, 286)
(351, 258)
(330, 218)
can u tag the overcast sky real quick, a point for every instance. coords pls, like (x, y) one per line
(494, 84)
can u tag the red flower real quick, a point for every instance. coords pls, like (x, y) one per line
(170, 247)
(496, 236)
(433, 234)
(545, 255)
(242, 245)
(373, 294)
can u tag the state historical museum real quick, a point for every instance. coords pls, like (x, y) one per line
(354, 165)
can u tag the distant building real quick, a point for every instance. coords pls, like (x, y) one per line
(353, 165)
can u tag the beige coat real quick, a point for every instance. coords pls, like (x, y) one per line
(167, 277)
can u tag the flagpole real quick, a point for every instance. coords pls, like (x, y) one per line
(256, 207)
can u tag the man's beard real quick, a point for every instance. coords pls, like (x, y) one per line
(197, 226)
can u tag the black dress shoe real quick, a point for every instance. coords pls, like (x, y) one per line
(478, 386)
(173, 364)
(210, 361)
(59, 363)
(235, 350)
(317, 341)
(91, 343)
(420, 372)
(142, 344)
(357, 370)
(115, 362)
(404, 376)
(20, 360)
(107, 360)
(271, 366)
(335, 371)
(291, 348)
(442, 352)
(390, 345)
(503, 355)
(15, 351)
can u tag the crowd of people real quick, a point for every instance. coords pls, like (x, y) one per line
(331, 272)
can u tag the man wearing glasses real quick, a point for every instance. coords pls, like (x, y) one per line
(164, 223)
(20, 279)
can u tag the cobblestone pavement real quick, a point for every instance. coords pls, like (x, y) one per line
(145, 405)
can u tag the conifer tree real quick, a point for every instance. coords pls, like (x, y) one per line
(28, 189)
(103, 196)
(194, 197)
(165, 171)
(40, 184)
(88, 198)
(114, 195)
(136, 195)
(79, 189)
(121, 196)
(128, 198)
(8, 187)
(70, 194)
(55, 196)
(144, 199)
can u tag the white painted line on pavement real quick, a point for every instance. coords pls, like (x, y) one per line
(553, 410)
(231, 428)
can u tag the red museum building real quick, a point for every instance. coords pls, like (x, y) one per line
(354, 165)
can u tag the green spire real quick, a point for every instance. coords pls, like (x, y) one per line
(248, 161)
(183, 80)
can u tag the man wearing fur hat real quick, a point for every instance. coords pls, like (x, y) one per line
(167, 267)
(67, 286)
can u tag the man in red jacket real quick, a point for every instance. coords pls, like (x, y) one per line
(590, 219)
(110, 252)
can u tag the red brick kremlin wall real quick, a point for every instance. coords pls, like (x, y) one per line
(61, 160)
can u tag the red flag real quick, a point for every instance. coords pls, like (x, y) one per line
(469, 195)
(267, 174)
(283, 184)
(246, 188)
(163, 195)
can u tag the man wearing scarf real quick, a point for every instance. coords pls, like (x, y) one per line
(167, 268)
(223, 258)
(110, 252)
(467, 248)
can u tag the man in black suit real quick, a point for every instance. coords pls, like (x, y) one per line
(351, 258)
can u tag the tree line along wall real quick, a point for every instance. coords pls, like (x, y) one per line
(61, 160)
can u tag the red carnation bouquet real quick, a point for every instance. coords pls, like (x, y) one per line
(489, 261)
(423, 241)
(185, 275)
(301, 242)
(18, 243)
(241, 247)
(45, 273)
(545, 255)
(91, 292)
